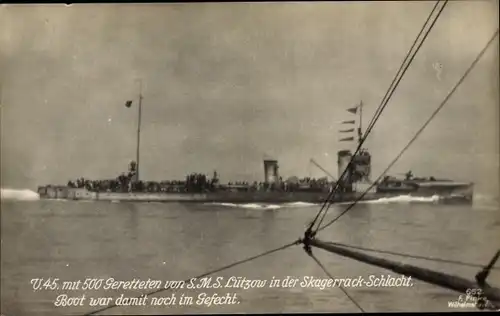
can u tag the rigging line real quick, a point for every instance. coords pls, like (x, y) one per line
(418, 132)
(331, 277)
(382, 106)
(461, 263)
(384, 103)
(208, 273)
(483, 274)
(405, 60)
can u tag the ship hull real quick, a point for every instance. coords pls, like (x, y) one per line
(457, 194)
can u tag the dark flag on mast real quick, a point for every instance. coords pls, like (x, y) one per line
(347, 130)
(347, 139)
(349, 122)
(353, 110)
(128, 103)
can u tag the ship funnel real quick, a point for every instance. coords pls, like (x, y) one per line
(344, 157)
(359, 171)
(271, 174)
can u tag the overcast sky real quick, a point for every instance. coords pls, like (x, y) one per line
(226, 84)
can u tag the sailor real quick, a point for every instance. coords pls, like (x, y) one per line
(409, 175)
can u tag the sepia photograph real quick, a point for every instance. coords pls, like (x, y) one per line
(249, 157)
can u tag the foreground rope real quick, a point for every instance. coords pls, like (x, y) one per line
(331, 277)
(208, 273)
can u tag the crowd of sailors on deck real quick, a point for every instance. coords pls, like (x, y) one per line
(194, 183)
(197, 182)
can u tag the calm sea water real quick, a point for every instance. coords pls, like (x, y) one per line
(78, 240)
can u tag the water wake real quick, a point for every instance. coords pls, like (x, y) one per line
(401, 199)
(263, 206)
(18, 195)
(395, 199)
(254, 206)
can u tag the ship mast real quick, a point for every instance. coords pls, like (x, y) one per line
(138, 131)
(360, 128)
